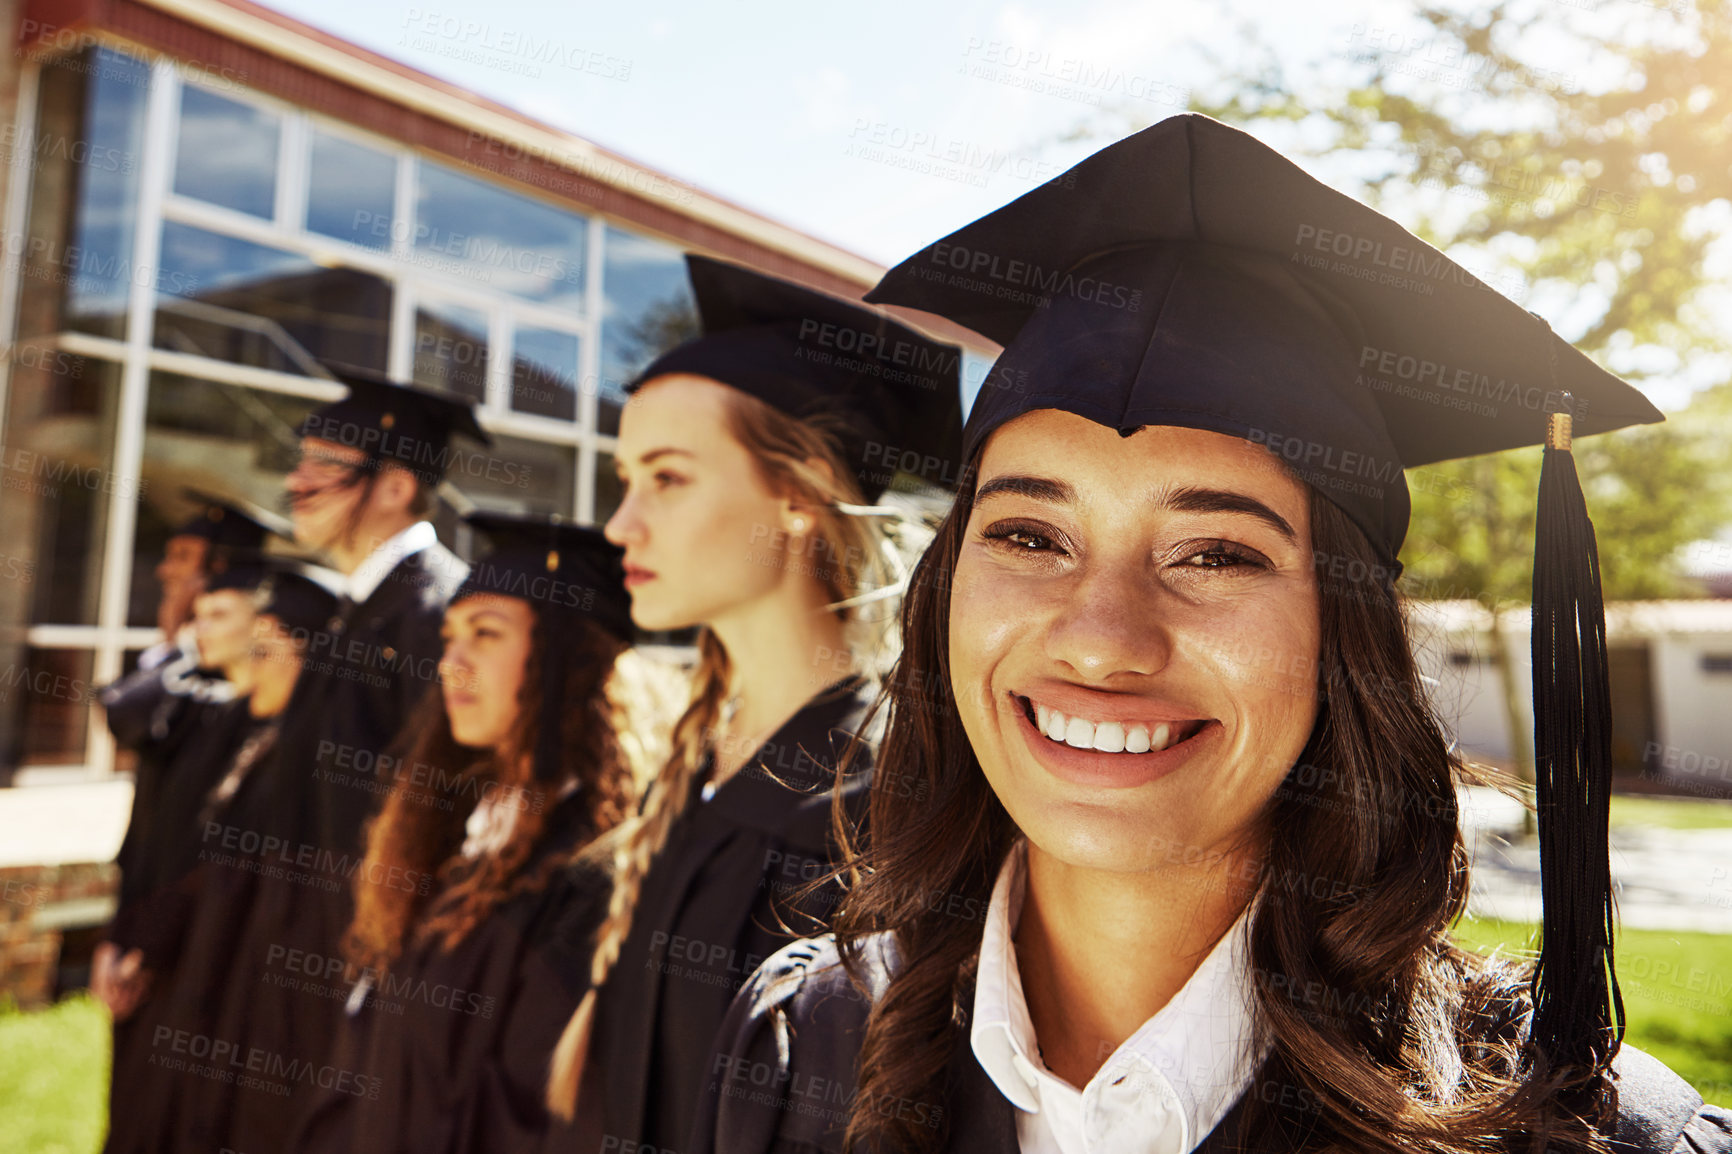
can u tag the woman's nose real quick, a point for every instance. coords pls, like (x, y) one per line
(1112, 622)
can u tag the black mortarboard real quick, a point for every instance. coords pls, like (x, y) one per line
(300, 595)
(896, 394)
(1189, 275)
(567, 573)
(230, 523)
(394, 422)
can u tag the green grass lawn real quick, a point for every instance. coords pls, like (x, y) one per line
(1677, 995)
(54, 1078)
(1671, 813)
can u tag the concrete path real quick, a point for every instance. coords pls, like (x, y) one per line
(1664, 879)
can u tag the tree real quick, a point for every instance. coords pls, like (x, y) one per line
(1584, 160)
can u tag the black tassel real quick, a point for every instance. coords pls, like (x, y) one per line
(1578, 1017)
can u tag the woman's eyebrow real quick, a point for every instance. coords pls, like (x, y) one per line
(1034, 488)
(1193, 499)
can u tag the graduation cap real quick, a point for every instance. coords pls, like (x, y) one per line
(568, 573)
(1189, 275)
(806, 353)
(300, 595)
(231, 524)
(393, 422)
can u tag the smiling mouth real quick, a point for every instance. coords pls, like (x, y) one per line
(1108, 736)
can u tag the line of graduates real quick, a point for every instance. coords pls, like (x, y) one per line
(429, 876)
(436, 867)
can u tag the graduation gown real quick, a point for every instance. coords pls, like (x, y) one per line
(359, 683)
(450, 1050)
(193, 926)
(160, 893)
(707, 916)
(152, 711)
(786, 1076)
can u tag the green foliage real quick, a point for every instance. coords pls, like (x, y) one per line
(54, 1078)
(1589, 156)
(1677, 994)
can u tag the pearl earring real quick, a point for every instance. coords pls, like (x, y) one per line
(799, 524)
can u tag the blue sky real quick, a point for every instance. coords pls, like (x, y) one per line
(881, 128)
(878, 128)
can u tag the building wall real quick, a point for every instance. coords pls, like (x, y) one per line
(1694, 705)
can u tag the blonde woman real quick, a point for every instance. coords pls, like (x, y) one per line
(748, 455)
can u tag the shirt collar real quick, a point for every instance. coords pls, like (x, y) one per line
(1191, 1061)
(371, 573)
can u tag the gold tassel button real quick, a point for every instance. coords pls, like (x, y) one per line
(1558, 431)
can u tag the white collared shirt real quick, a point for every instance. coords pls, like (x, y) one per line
(371, 573)
(1161, 1092)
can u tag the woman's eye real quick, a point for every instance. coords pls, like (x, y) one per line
(1221, 555)
(664, 479)
(1019, 538)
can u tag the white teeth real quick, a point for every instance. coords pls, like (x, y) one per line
(1079, 733)
(1102, 736)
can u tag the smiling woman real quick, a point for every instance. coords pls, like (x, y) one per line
(1189, 773)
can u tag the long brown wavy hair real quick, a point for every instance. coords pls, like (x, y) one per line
(439, 782)
(1385, 1036)
(802, 459)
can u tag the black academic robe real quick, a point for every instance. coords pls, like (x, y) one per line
(450, 1051)
(785, 1078)
(360, 681)
(154, 918)
(708, 915)
(191, 923)
(152, 712)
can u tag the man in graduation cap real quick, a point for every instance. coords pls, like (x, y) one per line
(367, 478)
(139, 707)
(368, 475)
(1166, 707)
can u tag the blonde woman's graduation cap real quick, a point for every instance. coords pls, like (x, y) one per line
(893, 393)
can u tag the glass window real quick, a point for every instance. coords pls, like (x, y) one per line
(227, 152)
(515, 475)
(223, 439)
(647, 309)
(451, 349)
(511, 243)
(250, 304)
(351, 191)
(544, 368)
(57, 476)
(45, 700)
(608, 493)
(84, 195)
